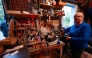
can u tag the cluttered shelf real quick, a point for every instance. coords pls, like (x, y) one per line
(61, 4)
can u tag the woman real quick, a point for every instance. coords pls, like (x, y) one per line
(79, 35)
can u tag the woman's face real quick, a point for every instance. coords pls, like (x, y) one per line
(78, 18)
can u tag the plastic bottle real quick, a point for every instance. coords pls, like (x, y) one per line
(58, 40)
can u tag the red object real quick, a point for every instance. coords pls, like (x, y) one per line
(33, 16)
(90, 5)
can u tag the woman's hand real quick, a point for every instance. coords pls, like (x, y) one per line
(68, 37)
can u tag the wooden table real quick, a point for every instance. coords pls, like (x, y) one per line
(51, 45)
(54, 45)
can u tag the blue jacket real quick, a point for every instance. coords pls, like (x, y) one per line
(4, 28)
(80, 35)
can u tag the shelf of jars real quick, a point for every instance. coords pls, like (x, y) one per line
(52, 15)
(54, 11)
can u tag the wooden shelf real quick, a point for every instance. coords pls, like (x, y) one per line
(45, 6)
(21, 15)
(61, 4)
(58, 15)
(57, 7)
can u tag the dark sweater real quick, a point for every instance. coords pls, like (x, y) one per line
(80, 35)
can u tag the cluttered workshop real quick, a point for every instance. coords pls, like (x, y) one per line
(33, 28)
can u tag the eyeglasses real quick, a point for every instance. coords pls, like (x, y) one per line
(78, 16)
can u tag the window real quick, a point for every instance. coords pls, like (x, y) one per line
(69, 11)
(1, 11)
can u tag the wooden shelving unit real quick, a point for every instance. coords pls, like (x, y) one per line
(58, 13)
(21, 21)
